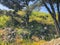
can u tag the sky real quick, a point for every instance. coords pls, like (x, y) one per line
(43, 9)
(3, 7)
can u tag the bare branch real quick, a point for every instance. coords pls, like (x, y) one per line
(48, 9)
(52, 7)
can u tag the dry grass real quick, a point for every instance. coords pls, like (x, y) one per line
(20, 41)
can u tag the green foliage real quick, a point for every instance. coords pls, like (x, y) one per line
(41, 17)
(4, 20)
(37, 22)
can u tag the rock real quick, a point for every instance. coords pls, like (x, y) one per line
(35, 38)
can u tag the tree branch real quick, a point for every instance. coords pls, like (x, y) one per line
(48, 9)
(52, 7)
(57, 2)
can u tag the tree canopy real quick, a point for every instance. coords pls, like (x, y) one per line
(15, 4)
(20, 4)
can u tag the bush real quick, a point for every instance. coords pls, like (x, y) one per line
(4, 21)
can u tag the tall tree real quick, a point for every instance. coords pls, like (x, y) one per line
(53, 12)
(21, 4)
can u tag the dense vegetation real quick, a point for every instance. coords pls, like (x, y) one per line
(41, 27)
(24, 23)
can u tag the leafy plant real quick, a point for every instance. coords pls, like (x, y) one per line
(3, 20)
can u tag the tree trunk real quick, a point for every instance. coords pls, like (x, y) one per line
(59, 20)
(56, 27)
(27, 20)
